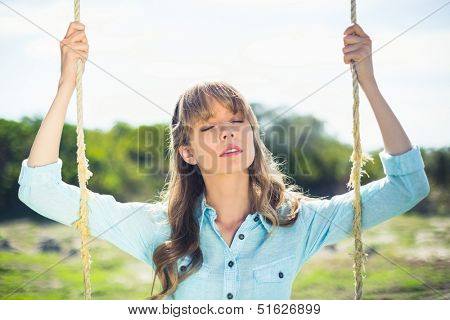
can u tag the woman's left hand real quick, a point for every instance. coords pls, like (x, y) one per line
(358, 47)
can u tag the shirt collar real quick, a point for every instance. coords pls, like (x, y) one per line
(206, 209)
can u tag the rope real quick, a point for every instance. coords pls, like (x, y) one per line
(358, 159)
(83, 175)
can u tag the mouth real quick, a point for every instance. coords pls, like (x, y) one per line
(231, 151)
(229, 154)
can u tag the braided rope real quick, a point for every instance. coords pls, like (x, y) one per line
(358, 159)
(83, 175)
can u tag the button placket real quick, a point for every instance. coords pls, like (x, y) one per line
(240, 233)
(230, 280)
(230, 276)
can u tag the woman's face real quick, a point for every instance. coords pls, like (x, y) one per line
(209, 140)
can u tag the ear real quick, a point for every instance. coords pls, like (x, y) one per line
(187, 154)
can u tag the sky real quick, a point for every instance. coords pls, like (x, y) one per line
(144, 54)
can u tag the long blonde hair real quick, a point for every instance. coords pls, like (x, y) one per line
(269, 187)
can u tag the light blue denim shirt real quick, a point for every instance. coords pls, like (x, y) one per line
(250, 268)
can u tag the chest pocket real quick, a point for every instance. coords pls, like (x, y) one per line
(194, 287)
(274, 280)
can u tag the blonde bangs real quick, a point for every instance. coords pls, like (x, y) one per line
(195, 104)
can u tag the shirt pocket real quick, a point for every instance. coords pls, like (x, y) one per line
(273, 280)
(195, 286)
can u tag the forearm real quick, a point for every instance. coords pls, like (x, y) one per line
(45, 148)
(394, 137)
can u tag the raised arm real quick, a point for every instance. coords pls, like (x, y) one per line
(135, 227)
(45, 148)
(324, 222)
(358, 47)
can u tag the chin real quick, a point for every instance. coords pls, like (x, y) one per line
(229, 166)
(233, 168)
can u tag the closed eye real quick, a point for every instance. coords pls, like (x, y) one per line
(205, 129)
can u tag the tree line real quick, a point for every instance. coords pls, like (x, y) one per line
(131, 163)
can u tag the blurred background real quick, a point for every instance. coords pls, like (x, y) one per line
(286, 58)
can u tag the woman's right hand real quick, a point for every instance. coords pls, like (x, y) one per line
(73, 47)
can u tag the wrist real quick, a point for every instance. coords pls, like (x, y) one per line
(65, 84)
(368, 85)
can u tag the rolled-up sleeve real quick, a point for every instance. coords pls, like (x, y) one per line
(405, 184)
(134, 227)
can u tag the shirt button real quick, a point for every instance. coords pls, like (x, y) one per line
(281, 275)
(230, 296)
(183, 268)
(256, 219)
(241, 236)
(230, 264)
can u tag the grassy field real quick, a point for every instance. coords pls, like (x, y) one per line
(408, 259)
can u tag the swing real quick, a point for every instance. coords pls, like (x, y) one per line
(358, 158)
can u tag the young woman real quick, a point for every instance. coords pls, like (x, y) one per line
(212, 235)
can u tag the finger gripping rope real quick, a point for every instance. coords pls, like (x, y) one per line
(83, 176)
(358, 159)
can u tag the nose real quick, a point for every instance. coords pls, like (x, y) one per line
(225, 134)
(227, 131)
